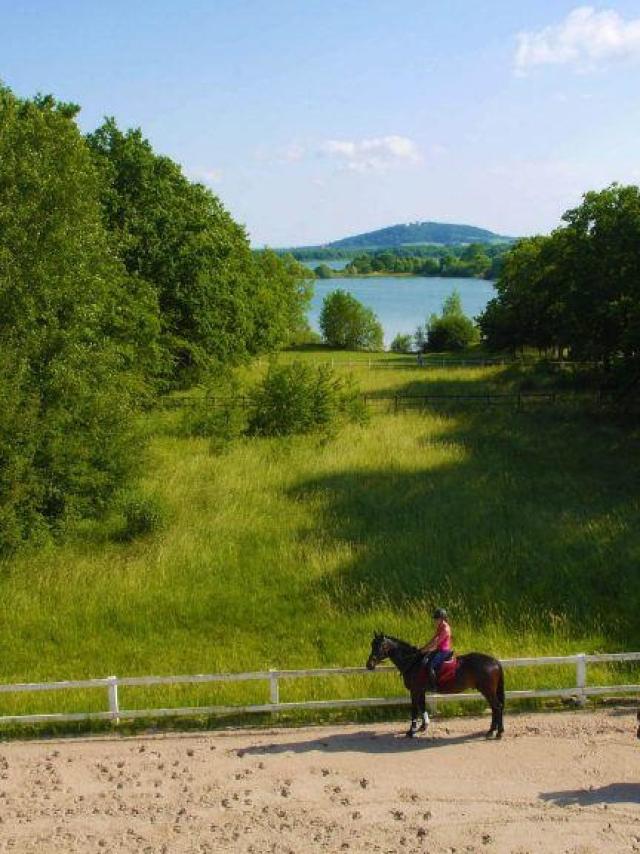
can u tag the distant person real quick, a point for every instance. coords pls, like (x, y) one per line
(439, 648)
(420, 359)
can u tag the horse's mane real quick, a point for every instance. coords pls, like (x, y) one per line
(408, 646)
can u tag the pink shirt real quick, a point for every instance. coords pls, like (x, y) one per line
(443, 637)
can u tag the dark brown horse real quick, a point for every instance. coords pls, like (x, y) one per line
(474, 670)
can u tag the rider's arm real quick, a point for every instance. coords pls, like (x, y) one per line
(430, 646)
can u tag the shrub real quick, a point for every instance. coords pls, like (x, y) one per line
(219, 415)
(143, 514)
(301, 398)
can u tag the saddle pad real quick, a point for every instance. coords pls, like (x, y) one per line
(447, 671)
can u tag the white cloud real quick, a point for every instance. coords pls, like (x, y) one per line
(372, 155)
(585, 38)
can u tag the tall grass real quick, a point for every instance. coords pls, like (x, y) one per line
(290, 552)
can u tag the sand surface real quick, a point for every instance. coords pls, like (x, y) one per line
(557, 782)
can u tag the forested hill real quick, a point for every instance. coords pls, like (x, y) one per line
(419, 232)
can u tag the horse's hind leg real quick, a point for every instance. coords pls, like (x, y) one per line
(495, 713)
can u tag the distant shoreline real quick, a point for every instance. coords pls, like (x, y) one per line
(340, 274)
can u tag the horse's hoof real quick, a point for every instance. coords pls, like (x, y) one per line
(499, 734)
(489, 734)
(411, 733)
(423, 728)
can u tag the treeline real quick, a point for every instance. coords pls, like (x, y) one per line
(575, 292)
(119, 279)
(477, 260)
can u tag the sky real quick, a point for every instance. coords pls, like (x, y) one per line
(317, 119)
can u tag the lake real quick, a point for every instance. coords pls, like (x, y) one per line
(402, 303)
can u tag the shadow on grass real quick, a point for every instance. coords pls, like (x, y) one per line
(362, 741)
(510, 517)
(614, 793)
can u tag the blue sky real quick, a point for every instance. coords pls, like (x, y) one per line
(314, 119)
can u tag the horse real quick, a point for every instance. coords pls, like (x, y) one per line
(474, 670)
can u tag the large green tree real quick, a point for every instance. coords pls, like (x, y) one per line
(73, 327)
(577, 290)
(217, 300)
(348, 324)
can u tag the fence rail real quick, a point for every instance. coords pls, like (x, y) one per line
(434, 362)
(398, 402)
(580, 690)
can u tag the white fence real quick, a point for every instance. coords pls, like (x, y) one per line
(579, 691)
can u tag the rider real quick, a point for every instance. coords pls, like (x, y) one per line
(439, 648)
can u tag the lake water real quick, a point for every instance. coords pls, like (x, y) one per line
(402, 303)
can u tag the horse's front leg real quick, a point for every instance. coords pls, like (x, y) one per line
(423, 712)
(415, 706)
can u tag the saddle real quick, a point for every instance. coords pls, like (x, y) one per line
(447, 671)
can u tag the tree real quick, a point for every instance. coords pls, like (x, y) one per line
(73, 328)
(452, 330)
(577, 289)
(402, 344)
(218, 302)
(323, 271)
(349, 325)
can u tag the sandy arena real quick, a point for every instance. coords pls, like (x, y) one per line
(557, 782)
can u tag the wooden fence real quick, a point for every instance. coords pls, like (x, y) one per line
(580, 690)
(403, 402)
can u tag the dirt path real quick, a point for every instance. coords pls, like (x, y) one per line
(563, 782)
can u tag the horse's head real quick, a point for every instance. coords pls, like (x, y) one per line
(381, 646)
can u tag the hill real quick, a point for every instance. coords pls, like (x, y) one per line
(446, 234)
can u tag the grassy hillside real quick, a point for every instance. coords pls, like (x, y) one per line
(290, 552)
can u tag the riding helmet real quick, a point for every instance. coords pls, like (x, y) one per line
(440, 614)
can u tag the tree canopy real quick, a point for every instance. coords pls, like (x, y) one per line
(578, 289)
(452, 329)
(73, 327)
(217, 300)
(348, 324)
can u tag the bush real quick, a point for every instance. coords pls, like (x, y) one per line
(402, 344)
(143, 514)
(301, 398)
(219, 415)
(348, 324)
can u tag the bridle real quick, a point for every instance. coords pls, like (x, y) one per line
(386, 646)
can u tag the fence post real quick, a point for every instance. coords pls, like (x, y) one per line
(112, 690)
(274, 689)
(581, 677)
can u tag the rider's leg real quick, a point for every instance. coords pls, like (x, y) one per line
(437, 659)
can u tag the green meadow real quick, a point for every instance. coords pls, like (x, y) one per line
(282, 553)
